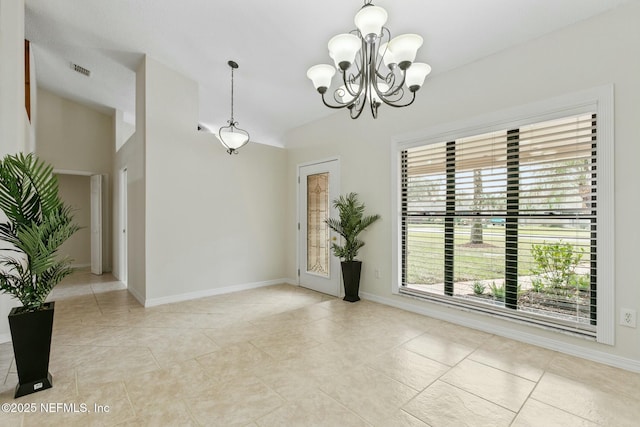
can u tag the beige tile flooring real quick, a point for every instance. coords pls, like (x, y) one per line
(286, 356)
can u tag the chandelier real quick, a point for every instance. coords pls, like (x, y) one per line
(375, 68)
(231, 136)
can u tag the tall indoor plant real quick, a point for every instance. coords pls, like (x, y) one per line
(350, 223)
(35, 223)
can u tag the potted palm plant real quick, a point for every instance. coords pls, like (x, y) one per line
(349, 225)
(36, 222)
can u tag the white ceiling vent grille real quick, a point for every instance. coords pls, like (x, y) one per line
(79, 69)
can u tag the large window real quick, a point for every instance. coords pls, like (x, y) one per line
(506, 222)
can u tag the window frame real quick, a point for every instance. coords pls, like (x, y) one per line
(598, 100)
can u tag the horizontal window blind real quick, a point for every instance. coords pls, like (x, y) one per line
(506, 221)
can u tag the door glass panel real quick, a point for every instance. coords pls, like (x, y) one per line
(317, 230)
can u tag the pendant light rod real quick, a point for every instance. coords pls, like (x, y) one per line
(234, 66)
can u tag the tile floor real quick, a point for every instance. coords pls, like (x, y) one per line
(286, 356)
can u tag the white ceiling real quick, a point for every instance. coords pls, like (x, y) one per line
(274, 42)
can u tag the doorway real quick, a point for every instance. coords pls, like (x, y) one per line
(318, 186)
(85, 192)
(96, 224)
(123, 227)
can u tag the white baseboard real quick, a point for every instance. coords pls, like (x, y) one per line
(152, 302)
(518, 335)
(136, 295)
(290, 281)
(5, 338)
(78, 266)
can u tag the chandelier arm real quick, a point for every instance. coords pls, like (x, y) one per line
(358, 77)
(358, 107)
(390, 75)
(380, 56)
(336, 107)
(373, 74)
(392, 104)
(372, 84)
(349, 82)
(374, 109)
(390, 79)
(404, 77)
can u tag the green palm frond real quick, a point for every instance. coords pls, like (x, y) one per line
(349, 225)
(28, 188)
(37, 224)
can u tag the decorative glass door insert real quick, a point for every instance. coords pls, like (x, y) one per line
(318, 261)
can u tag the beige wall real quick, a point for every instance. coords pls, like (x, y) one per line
(131, 156)
(72, 136)
(199, 221)
(75, 190)
(212, 220)
(586, 55)
(77, 138)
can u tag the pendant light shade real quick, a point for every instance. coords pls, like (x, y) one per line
(370, 21)
(416, 75)
(343, 49)
(232, 138)
(321, 76)
(387, 55)
(405, 48)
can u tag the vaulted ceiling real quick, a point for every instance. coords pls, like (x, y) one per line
(274, 42)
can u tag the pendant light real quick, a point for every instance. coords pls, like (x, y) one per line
(231, 136)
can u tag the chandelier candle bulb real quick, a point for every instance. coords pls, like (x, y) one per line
(374, 68)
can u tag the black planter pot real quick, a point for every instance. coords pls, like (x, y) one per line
(31, 336)
(351, 279)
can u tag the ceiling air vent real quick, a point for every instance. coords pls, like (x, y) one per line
(79, 69)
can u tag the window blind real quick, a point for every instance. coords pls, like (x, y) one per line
(506, 221)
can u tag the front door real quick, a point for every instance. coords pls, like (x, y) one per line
(318, 187)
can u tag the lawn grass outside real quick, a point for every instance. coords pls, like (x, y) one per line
(425, 257)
